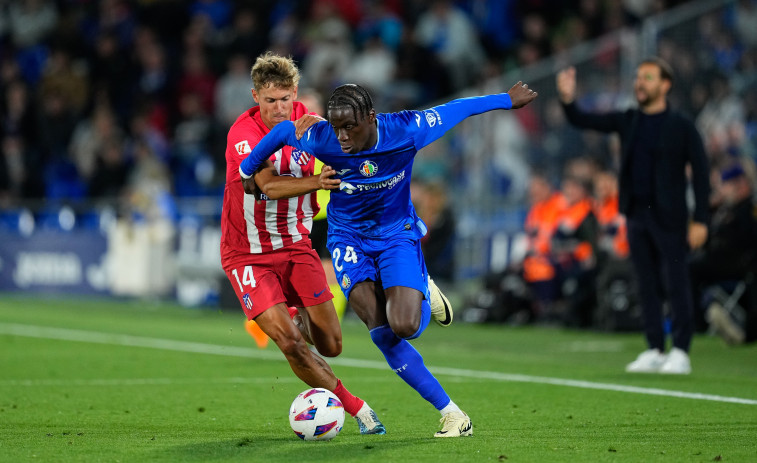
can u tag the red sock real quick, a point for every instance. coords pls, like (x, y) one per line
(352, 404)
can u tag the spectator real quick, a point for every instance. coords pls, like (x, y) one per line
(449, 33)
(112, 73)
(538, 268)
(233, 90)
(574, 249)
(31, 21)
(197, 79)
(439, 243)
(331, 50)
(90, 137)
(730, 252)
(192, 157)
(373, 67)
(613, 240)
(111, 170)
(60, 75)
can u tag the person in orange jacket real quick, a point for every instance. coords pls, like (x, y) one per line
(538, 269)
(613, 238)
(574, 247)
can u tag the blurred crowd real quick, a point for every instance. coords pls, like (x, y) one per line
(576, 269)
(132, 99)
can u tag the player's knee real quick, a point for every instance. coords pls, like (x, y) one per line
(405, 329)
(329, 347)
(293, 346)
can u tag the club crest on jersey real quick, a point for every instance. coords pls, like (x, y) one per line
(247, 301)
(300, 157)
(346, 281)
(368, 168)
(431, 119)
(243, 148)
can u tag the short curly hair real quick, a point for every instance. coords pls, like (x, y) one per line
(351, 96)
(271, 69)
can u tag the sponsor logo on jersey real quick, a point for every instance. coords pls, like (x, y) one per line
(347, 188)
(343, 171)
(418, 120)
(346, 281)
(300, 157)
(368, 168)
(243, 148)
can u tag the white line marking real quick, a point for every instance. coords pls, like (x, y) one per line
(63, 334)
(102, 382)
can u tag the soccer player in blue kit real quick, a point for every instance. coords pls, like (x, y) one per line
(374, 232)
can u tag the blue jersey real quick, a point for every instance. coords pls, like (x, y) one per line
(373, 199)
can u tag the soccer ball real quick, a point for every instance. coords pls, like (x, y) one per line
(316, 414)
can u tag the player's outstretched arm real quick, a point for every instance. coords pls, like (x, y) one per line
(442, 118)
(521, 95)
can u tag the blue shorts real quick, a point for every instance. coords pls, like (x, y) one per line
(390, 261)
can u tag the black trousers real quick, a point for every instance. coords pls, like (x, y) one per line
(659, 258)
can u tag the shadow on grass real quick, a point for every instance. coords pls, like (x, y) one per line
(288, 449)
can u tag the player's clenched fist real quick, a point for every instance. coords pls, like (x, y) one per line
(521, 95)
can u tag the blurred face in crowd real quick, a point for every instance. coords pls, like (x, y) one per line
(735, 190)
(573, 190)
(650, 88)
(605, 185)
(276, 103)
(539, 190)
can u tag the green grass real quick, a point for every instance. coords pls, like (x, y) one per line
(103, 398)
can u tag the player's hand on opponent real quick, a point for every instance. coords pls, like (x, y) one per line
(250, 187)
(302, 124)
(326, 180)
(521, 95)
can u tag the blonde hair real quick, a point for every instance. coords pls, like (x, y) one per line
(274, 70)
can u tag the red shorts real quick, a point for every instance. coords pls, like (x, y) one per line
(292, 275)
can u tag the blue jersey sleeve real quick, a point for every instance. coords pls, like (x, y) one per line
(434, 122)
(282, 134)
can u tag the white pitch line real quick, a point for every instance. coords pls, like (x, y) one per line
(64, 334)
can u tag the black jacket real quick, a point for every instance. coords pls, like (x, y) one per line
(679, 144)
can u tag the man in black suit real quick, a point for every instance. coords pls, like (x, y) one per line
(657, 144)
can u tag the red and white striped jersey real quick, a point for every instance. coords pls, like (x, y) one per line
(250, 226)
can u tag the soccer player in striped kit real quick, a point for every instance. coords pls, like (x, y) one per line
(374, 232)
(265, 244)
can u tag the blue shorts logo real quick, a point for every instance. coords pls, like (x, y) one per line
(346, 281)
(368, 168)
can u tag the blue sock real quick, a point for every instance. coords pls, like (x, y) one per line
(408, 364)
(425, 318)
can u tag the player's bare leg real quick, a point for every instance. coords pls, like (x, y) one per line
(311, 368)
(403, 310)
(322, 325)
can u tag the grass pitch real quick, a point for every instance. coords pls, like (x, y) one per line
(104, 380)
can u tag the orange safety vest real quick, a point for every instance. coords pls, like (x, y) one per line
(539, 227)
